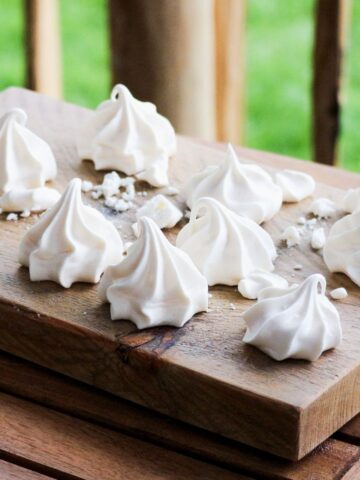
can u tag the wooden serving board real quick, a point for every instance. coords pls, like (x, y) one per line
(203, 373)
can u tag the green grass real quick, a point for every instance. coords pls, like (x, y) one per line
(278, 76)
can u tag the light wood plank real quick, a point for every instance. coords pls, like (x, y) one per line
(230, 69)
(43, 47)
(274, 406)
(166, 55)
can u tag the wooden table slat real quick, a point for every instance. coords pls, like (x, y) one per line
(10, 471)
(24, 379)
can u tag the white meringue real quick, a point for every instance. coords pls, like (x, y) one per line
(251, 286)
(351, 200)
(26, 161)
(339, 293)
(323, 208)
(224, 246)
(156, 284)
(291, 236)
(164, 213)
(295, 185)
(33, 199)
(131, 136)
(342, 248)
(71, 242)
(318, 238)
(298, 322)
(245, 189)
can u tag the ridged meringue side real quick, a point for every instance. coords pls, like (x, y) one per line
(298, 322)
(128, 135)
(33, 199)
(224, 246)
(156, 284)
(26, 161)
(342, 248)
(295, 185)
(71, 242)
(246, 189)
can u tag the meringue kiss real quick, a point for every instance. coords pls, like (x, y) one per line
(342, 248)
(223, 245)
(295, 185)
(245, 189)
(298, 322)
(156, 284)
(26, 161)
(71, 242)
(128, 135)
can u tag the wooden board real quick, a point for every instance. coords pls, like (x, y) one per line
(203, 373)
(330, 461)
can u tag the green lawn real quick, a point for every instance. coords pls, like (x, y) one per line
(278, 76)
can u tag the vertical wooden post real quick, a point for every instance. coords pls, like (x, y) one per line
(328, 51)
(230, 69)
(164, 52)
(43, 47)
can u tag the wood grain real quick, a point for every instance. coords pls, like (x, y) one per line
(329, 461)
(202, 374)
(73, 447)
(10, 471)
(172, 47)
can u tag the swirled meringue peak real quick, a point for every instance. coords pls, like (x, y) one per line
(26, 161)
(245, 189)
(295, 185)
(128, 135)
(71, 242)
(342, 248)
(298, 322)
(223, 245)
(156, 284)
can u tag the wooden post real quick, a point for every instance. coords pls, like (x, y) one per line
(230, 68)
(164, 52)
(43, 47)
(330, 36)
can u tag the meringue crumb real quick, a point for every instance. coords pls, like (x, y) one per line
(210, 295)
(25, 214)
(298, 267)
(291, 236)
(318, 239)
(323, 208)
(209, 310)
(86, 186)
(232, 306)
(301, 220)
(96, 195)
(12, 217)
(339, 293)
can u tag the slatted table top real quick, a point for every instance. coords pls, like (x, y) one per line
(55, 427)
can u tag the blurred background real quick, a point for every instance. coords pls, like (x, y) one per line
(277, 68)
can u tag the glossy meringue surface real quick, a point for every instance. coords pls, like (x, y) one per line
(295, 185)
(245, 189)
(298, 322)
(32, 199)
(156, 284)
(128, 135)
(224, 246)
(26, 161)
(342, 248)
(71, 242)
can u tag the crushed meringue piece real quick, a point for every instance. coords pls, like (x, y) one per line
(323, 208)
(86, 186)
(339, 293)
(26, 213)
(298, 267)
(160, 209)
(291, 236)
(12, 217)
(301, 221)
(251, 286)
(169, 191)
(318, 238)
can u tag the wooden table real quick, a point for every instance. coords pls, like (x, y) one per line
(55, 427)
